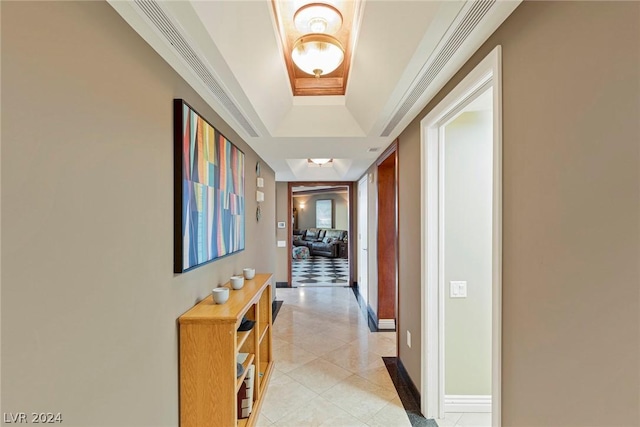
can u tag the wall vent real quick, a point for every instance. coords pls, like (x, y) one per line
(157, 16)
(449, 48)
(373, 149)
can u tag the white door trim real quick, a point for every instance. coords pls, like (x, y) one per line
(362, 242)
(467, 403)
(487, 72)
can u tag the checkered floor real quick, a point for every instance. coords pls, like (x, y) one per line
(320, 271)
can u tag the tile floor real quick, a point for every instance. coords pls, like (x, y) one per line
(470, 419)
(329, 369)
(320, 271)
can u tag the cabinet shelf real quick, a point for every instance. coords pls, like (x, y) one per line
(242, 337)
(264, 332)
(264, 371)
(209, 347)
(245, 366)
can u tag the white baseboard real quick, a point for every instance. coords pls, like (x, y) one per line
(386, 323)
(467, 403)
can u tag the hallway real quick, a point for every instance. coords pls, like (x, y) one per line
(329, 369)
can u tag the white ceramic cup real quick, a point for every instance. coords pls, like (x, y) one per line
(237, 282)
(220, 295)
(249, 273)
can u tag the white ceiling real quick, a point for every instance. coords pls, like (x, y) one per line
(230, 52)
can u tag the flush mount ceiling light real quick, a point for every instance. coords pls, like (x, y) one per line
(317, 54)
(318, 18)
(320, 162)
(317, 43)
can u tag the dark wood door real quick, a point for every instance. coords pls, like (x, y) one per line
(387, 238)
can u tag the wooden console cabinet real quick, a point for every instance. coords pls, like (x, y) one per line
(209, 346)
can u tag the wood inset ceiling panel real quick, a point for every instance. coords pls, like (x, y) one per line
(303, 84)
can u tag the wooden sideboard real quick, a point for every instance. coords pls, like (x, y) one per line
(209, 346)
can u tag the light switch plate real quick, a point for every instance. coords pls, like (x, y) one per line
(282, 243)
(458, 289)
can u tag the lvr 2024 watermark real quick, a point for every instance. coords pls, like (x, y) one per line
(32, 418)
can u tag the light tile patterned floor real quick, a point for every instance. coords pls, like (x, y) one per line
(329, 369)
(469, 419)
(320, 271)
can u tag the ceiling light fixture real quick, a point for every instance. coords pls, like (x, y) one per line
(320, 34)
(317, 18)
(319, 162)
(317, 53)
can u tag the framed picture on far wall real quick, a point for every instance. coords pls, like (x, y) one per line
(324, 213)
(209, 202)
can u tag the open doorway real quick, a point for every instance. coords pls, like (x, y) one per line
(321, 224)
(462, 253)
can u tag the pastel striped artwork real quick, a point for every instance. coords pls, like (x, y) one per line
(213, 203)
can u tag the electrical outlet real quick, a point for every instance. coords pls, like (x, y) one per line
(408, 339)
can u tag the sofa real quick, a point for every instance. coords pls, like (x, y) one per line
(320, 241)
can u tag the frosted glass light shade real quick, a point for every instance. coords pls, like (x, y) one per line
(317, 54)
(320, 161)
(317, 18)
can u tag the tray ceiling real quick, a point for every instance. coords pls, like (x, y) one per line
(231, 52)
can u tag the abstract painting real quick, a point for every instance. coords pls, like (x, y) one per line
(324, 213)
(209, 206)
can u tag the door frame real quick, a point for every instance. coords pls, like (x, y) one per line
(388, 324)
(350, 250)
(362, 271)
(486, 73)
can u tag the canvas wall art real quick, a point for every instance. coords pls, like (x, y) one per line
(324, 213)
(209, 191)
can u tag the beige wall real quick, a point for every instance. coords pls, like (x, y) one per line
(307, 216)
(571, 101)
(409, 294)
(282, 254)
(341, 211)
(302, 206)
(89, 297)
(467, 253)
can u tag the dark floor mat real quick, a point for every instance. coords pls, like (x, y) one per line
(275, 308)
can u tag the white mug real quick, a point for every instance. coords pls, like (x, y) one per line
(220, 295)
(237, 282)
(249, 273)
